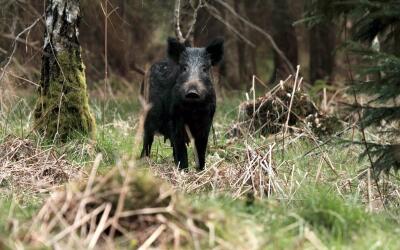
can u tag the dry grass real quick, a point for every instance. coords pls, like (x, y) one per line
(257, 171)
(26, 166)
(126, 207)
(253, 174)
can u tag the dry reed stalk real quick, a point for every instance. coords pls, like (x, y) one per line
(291, 104)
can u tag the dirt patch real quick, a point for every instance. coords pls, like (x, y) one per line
(28, 167)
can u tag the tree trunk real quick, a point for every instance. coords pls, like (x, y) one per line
(284, 35)
(62, 108)
(242, 63)
(322, 47)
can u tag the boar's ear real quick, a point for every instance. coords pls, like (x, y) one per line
(175, 49)
(216, 50)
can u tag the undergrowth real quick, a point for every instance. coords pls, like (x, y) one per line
(325, 202)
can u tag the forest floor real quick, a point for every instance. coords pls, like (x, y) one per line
(309, 195)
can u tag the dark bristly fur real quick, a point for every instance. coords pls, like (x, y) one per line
(181, 93)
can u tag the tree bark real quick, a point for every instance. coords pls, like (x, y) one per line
(242, 63)
(62, 108)
(284, 35)
(322, 47)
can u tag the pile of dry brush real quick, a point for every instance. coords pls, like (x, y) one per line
(29, 167)
(284, 106)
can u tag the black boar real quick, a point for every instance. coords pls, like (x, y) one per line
(182, 97)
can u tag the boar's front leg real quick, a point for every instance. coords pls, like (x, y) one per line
(201, 130)
(201, 139)
(179, 145)
(201, 147)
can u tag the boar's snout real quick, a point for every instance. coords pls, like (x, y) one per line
(192, 94)
(194, 91)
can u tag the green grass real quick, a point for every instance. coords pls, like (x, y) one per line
(14, 212)
(338, 223)
(331, 204)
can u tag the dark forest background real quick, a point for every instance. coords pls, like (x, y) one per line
(137, 31)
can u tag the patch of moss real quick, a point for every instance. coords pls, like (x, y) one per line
(63, 107)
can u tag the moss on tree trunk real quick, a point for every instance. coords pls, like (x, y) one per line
(63, 108)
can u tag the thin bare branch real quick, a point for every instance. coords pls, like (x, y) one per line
(178, 32)
(217, 15)
(255, 27)
(190, 33)
(27, 29)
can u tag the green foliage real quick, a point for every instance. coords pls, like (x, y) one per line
(376, 45)
(379, 78)
(317, 11)
(387, 156)
(376, 17)
(382, 71)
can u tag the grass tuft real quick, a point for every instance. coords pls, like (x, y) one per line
(324, 209)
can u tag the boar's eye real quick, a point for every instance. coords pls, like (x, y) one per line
(204, 69)
(185, 68)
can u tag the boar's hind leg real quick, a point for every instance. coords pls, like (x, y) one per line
(147, 142)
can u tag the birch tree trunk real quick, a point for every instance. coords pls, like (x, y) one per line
(62, 108)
